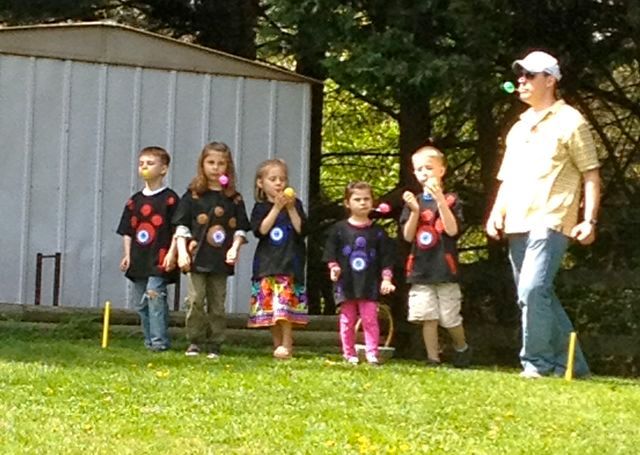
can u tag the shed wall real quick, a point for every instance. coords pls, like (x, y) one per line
(71, 132)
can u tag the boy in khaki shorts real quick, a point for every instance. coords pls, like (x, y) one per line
(430, 221)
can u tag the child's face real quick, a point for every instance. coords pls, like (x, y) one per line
(214, 165)
(359, 203)
(427, 168)
(150, 167)
(273, 181)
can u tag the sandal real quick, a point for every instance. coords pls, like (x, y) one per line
(281, 353)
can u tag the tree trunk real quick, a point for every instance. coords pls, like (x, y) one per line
(501, 284)
(318, 285)
(488, 152)
(228, 26)
(414, 121)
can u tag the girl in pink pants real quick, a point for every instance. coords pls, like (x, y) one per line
(360, 260)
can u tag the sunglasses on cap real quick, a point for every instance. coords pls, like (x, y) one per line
(529, 75)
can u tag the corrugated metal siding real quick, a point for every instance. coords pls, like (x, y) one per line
(71, 132)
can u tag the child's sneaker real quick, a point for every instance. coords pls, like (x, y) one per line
(213, 351)
(193, 350)
(352, 360)
(462, 359)
(372, 360)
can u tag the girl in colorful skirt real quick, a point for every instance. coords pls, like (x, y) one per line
(278, 296)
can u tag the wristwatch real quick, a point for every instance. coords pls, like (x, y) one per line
(592, 222)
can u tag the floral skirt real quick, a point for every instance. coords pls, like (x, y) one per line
(277, 298)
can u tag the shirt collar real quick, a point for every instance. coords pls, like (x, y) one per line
(147, 192)
(532, 117)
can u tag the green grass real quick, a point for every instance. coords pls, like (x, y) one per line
(60, 393)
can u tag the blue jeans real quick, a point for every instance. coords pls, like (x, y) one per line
(535, 259)
(150, 300)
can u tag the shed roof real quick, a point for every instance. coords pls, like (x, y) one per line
(111, 43)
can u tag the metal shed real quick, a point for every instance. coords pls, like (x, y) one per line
(78, 101)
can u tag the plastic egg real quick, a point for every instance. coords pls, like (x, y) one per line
(383, 208)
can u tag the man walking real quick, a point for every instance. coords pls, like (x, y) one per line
(550, 160)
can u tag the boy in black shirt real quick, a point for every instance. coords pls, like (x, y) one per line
(145, 227)
(430, 221)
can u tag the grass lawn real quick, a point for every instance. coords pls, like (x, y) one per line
(61, 393)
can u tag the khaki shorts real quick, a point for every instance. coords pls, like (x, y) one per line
(441, 302)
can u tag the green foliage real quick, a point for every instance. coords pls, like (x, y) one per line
(359, 143)
(586, 305)
(60, 395)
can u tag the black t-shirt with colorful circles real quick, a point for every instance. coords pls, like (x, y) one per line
(282, 250)
(434, 255)
(362, 252)
(147, 220)
(213, 218)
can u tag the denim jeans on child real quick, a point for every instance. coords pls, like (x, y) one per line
(150, 297)
(535, 259)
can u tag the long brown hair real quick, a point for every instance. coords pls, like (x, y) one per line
(259, 193)
(199, 185)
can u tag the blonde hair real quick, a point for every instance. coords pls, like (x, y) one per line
(258, 193)
(431, 151)
(199, 185)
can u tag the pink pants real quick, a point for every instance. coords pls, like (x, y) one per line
(368, 311)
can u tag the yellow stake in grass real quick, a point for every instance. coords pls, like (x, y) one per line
(568, 375)
(105, 324)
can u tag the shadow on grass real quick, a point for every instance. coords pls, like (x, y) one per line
(77, 344)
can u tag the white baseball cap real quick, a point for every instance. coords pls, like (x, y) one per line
(539, 62)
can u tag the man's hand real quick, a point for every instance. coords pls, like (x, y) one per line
(495, 225)
(584, 233)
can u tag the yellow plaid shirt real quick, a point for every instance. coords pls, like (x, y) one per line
(546, 154)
